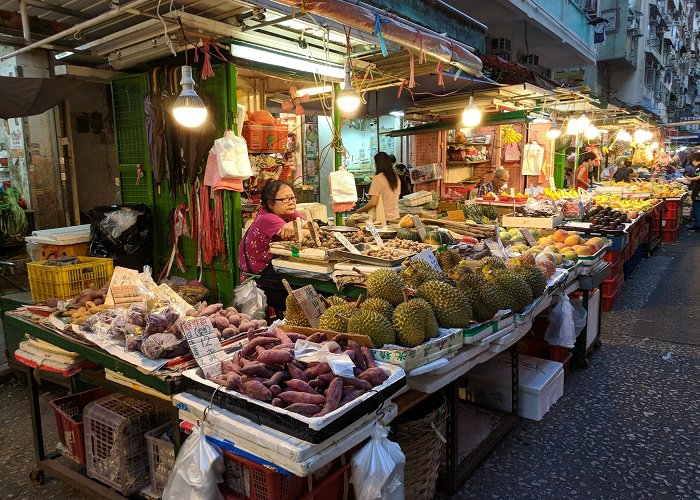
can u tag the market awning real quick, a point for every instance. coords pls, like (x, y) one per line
(21, 97)
(492, 119)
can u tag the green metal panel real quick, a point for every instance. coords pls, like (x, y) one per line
(559, 168)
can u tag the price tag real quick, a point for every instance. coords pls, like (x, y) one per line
(512, 192)
(177, 302)
(528, 236)
(495, 249)
(497, 232)
(346, 243)
(310, 303)
(205, 345)
(428, 256)
(314, 233)
(420, 227)
(375, 234)
(122, 277)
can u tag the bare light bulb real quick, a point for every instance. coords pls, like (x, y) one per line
(189, 109)
(572, 126)
(348, 100)
(553, 133)
(471, 116)
(623, 136)
(583, 122)
(591, 132)
(640, 136)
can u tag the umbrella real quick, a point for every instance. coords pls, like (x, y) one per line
(172, 142)
(153, 105)
(196, 142)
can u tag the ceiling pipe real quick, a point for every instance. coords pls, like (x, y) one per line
(26, 32)
(57, 9)
(116, 11)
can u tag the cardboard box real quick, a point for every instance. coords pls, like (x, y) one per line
(510, 220)
(410, 358)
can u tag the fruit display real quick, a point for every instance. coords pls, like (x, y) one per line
(558, 194)
(480, 213)
(480, 293)
(407, 245)
(560, 246)
(384, 253)
(452, 309)
(608, 218)
(624, 204)
(265, 369)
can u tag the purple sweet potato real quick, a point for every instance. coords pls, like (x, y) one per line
(374, 376)
(257, 370)
(296, 372)
(275, 390)
(233, 381)
(359, 359)
(301, 397)
(288, 346)
(221, 322)
(327, 377)
(317, 337)
(209, 310)
(333, 396)
(369, 359)
(256, 390)
(318, 384)
(296, 336)
(308, 410)
(278, 378)
(249, 348)
(275, 357)
(351, 396)
(227, 365)
(319, 369)
(284, 338)
(300, 386)
(357, 383)
(278, 403)
(245, 325)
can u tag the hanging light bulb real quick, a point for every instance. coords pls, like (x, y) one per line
(572, 126)
(591, 132)
(640, 136)
(348, 100)
(554, 132)
(623, 136)
(471, 116)
(189, 109)
(583, 122)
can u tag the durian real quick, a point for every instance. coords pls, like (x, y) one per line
(493, 263)
(431, 324)
(380, 305)
(409, 323)
(535, 278)
(448, 259)
(335, 318)
(451, 306)
(513, 292)
(419, 271)
(385, 284)
(294, 315)
(335, 300)
(481, 294)
(374, 325)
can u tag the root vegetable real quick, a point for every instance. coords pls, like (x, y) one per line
(245, 325)
(296, 336)
(231, 309)
(284, 346)
(301, 397)
(357, 383)
(257, 370)
(275, 390)
(327, 377)
(300, 386)
(296, 372)
(209, 310)
(359, 359)
(278, 403)
(221, 323)
(315, 371)
(317, 337)
(284, 338)
(275, 357)
(249, 348)
(256, 390)
(278, 378)
(231, 331)
(369, 359)
(333, 396)
(351, 396)
(260, 323)
(333, 346)
(374, 376)
(308, 410)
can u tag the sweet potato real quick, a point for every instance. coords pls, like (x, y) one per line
(357, 383)
(201, 306)
(233, 381)
(221, 322)
(299, 365)
(278, 403)
(245, 317)
(300, 386)
(275, 357)
(249, 348)
(284, 338)
(369, 359)
(244, 325)
(318, 384)
(315, 371)
(327, 377)
(260, 323)
(333, 396)
(191, 312)
(374, 376)
(275, 390)
(227, 365)
(234, 319)
(333, 346)
(351, 354)
(219, 379)
(357, 371)
(231, 309)
(231, 331)
(296, 372)
(301, 397)
(209, 310)
(351, 396)
(317, 337)
(256, 390)
(296, 336)
(257, 370)
(278, 378)
(289, 346)
(308, 410)
(359, 359)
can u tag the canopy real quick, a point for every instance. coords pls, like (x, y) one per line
(21, 97)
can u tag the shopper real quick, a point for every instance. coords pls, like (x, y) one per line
(385, 184)
(274, 221)
(624, 172)
(585, 160)
(694, 188)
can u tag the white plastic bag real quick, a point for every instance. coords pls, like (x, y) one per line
(561, 329)
(377, 469)
(250, 300)
(308, 352)
(580, 316)
(198, 468)
(232, 157)
(342, 188)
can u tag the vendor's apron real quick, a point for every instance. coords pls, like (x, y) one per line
(269, 282)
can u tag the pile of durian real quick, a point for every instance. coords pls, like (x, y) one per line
(407, 308)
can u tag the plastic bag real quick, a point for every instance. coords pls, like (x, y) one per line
(232, 157)
(111, 237)
(250, 300)
(561, 329)
(377, 469)
(580, 316)
(342, 187)
(115, 223)
(198, 468)
(308, 352)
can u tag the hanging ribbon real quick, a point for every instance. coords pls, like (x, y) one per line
(439, 69)
(398, 95)
(378, 20)
(207, 70)
(457, 73)
(412, 66)
(419, 37)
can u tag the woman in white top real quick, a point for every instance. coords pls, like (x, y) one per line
(385, 184)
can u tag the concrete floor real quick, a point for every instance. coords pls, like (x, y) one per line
(626, 428)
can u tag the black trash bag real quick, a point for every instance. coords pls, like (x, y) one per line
(119, 230)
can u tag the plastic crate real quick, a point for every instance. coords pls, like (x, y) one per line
(66, 282)
(69, 420)
(115, 443)
(669, 235)
(612, 285)
(247, 480)
(670, 213)
(262, 138)
(612, 256)
(48, 252)
(161, 458)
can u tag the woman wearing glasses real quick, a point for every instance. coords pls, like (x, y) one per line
(273, 222)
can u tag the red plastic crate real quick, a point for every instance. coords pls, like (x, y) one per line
(669, 235)
(670, 213)
(608, 303)
(612, 285)
(69, 420)
(612, 256)
(247, 480)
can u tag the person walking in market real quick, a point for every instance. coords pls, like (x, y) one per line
(585, 160)
(694, 189)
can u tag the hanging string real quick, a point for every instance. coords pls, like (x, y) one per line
(419, 37)
(378, 20)
(207, 70)
(439, 69)
(412, 70)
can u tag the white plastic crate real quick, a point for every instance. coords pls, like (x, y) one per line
(161, 458)
(541, 384)
(115, 442)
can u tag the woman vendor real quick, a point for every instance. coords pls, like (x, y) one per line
(273, 222)
(385, 184)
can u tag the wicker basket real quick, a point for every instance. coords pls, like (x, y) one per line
(423, 449)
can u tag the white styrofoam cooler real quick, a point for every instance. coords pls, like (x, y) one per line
(541, 384)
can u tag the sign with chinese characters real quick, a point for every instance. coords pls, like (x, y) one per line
(205, 345)
(375, 234)
(528, 236)
(420, 227)
(346, 243)
(311, 304)
(428, 256)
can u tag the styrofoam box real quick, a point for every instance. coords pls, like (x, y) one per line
(592, 320)
(541, 384)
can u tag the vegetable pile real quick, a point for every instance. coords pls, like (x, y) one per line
(13, 220)
(266, 370)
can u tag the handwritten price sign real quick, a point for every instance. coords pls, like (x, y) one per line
(205, 345)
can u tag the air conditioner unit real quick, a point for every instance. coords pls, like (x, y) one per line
(532, 59)
(500, 44)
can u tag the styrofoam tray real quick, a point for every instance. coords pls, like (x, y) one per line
(461, 363)
(503, 343)
(479, 331)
